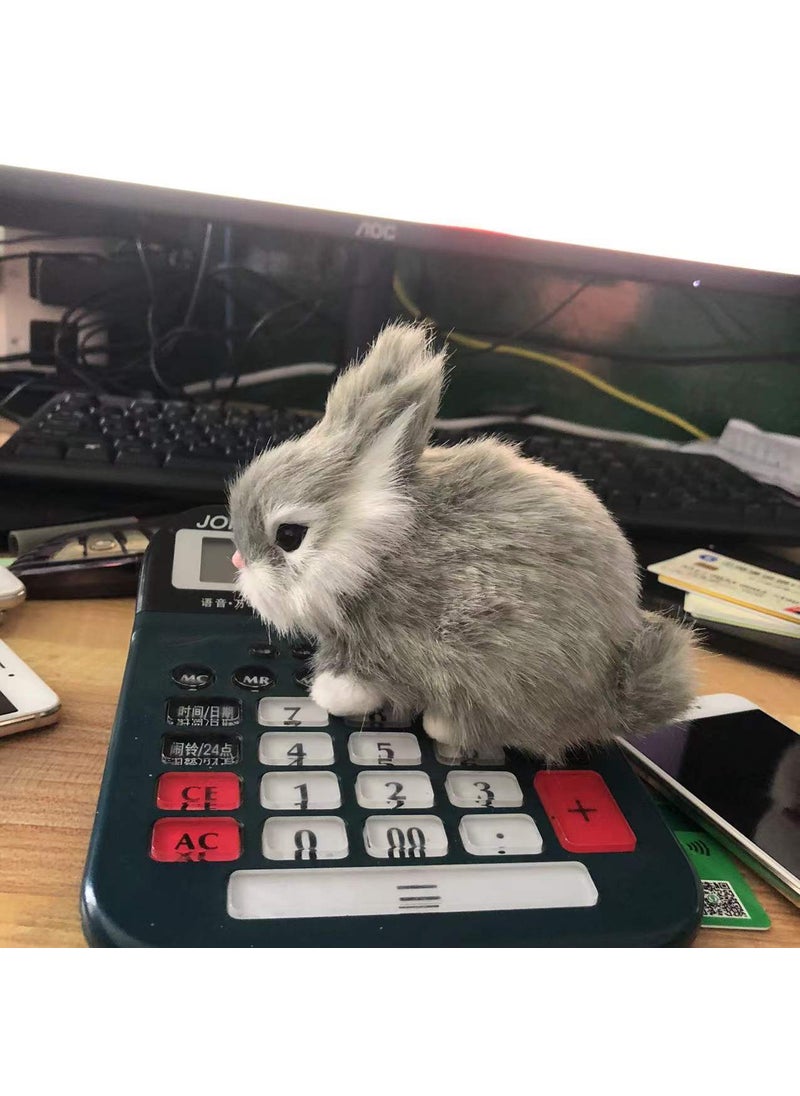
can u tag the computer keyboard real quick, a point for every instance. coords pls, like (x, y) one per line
(184, 450)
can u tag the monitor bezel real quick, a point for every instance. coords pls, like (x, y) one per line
(58, 202)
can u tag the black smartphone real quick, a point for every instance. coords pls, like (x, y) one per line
(737, 771)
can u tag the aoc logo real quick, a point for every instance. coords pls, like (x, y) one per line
(377, 230)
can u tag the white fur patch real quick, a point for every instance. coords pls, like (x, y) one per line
(374, 514)
(341, 694)
(438, 728)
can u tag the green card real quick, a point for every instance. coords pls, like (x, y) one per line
(728, 900)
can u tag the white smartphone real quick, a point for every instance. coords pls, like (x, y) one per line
(25, 701)
(737, 771)
(12, 592)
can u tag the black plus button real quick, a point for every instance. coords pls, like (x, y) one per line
(191, 676)
(584, 812)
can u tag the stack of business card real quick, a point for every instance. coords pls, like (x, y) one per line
(736, 598)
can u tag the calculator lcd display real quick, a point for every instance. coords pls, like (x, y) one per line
(6, 707)
(215, 560)
(745, 766)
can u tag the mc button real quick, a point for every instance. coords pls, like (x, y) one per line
(254, 678)
(192, 676)
(176, 840)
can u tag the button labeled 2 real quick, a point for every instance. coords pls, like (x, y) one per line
(395, 790)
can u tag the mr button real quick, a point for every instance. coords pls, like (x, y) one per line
(253, 678)
(192, 839)
(198, 792)
(584, 813)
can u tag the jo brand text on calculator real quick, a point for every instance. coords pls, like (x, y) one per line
(236, 812)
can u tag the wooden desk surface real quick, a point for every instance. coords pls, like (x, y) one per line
(49, 779)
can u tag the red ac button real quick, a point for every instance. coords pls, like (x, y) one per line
(198, 791)
(188, 840)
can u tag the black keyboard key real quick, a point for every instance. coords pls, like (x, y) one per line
(39, 450)
(188, 462)
(138, 457)
(94, 452)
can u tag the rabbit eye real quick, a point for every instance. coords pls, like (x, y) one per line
(290, 537)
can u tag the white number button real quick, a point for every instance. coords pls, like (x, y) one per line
(300, 791)
(489, 755)
(407, 838)
(295, 749)
(291, 711)
(395, 790)
(470, 788)
(396, 748)
(375, 720)
(500, 835)
(310, 839)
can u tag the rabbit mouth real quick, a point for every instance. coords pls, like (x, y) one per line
(285, 608)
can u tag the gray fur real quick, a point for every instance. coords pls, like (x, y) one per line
(466, 581)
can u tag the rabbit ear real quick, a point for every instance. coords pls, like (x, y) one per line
(398, 384)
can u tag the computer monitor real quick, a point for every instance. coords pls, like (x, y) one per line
(685, 231)
(678, 242)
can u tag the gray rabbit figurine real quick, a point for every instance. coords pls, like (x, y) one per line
(491, 593)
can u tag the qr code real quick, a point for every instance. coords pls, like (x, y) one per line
(719, 900)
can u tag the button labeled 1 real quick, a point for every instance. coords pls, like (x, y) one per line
(300, 792)
(478, 789)
(500, 835)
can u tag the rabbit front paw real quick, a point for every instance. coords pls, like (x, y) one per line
(438, 727)
(341, 694)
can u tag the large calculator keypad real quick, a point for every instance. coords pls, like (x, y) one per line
(424, 836)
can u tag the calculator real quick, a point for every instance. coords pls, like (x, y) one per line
(235, 812)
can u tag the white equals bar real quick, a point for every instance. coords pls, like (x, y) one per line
(442, 888)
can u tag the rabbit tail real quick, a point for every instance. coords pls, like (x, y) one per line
(658, 681)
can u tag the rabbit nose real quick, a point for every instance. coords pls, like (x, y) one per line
(237, 560)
